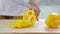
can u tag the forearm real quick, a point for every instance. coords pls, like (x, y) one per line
(34, 3)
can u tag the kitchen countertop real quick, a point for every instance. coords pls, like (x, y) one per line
(39, 27)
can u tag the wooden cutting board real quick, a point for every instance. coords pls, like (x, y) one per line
(39, 27)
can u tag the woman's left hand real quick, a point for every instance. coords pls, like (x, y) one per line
(35, 4)
(37, 12)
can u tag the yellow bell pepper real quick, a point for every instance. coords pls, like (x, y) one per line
(30, 15)
(25, 17)
(30, 12)
(52, 19)
(28, 20)
(22, 24)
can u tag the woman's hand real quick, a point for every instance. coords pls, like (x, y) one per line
(35, 4)
(37, 12)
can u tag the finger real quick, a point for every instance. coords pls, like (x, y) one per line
(36, 15)
(37, 12)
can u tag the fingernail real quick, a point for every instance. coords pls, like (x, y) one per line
(37, 20)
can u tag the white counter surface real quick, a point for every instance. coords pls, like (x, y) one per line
(39, 27)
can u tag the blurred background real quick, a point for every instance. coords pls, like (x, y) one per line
(49, 6)
(46, 7)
